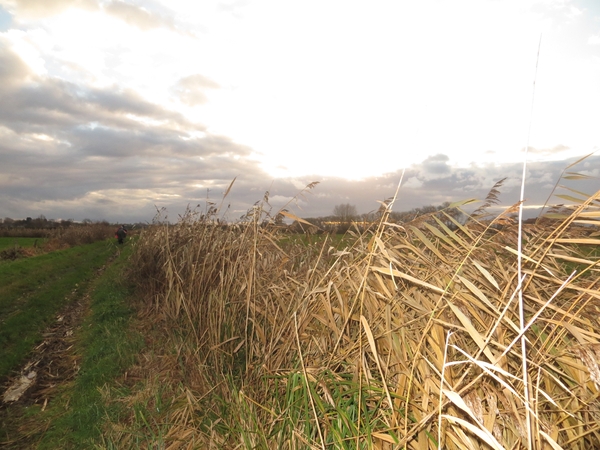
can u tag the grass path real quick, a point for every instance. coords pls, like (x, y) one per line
(87, 345)
(33, 290)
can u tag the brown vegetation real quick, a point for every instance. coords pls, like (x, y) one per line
(54, 238)
(81, 234)
(415, 333)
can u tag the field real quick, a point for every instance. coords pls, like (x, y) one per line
(433, 333)
(8, 242)
(16, 247)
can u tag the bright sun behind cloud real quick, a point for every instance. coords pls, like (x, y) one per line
(174, 95)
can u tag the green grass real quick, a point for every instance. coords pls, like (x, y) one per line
(106, 346)
(585, 251)
(32, 292)
(9, 242)
(339, 420)
(338, 241)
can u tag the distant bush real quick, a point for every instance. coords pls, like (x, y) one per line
(69, 234)
(80, 234)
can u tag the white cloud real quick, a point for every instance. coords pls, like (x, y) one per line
(273, 91)
(594, 40)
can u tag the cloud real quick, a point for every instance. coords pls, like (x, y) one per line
(44, 8)
(130, 188)
(63, 144)
(594, 40)
(190, 90)
(436, 166)
(12, 68)
(547, 151)
(45, 104)
(94, 130)
(131, 14)
(138, 17)
(51, 105)
(413, 183)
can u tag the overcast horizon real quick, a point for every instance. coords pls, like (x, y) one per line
(112, 109)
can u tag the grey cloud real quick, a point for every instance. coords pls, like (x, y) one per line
(52, 106)
(181, 181)
(116, 100)
(457, 184)
(452, 180)
(120, 143)
(69, 151)
(12, 68)
(437, 164)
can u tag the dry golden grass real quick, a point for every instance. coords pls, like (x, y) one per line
(408, 337)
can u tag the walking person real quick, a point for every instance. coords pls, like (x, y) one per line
(121, 233)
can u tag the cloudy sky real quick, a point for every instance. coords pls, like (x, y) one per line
(111, 109)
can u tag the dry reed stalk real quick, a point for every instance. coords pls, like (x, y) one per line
(232, 296)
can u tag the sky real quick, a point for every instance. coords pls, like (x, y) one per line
(111, 110)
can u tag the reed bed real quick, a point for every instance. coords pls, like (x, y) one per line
(410, 337)
(79, 234)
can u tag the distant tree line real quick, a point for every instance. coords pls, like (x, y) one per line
(345, 217)
(42, 227)
(429, 213)
(39, 222)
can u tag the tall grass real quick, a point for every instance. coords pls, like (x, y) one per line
(406, 338)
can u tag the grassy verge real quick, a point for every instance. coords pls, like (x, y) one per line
(108, 348)
(33, 290)
(105, 348)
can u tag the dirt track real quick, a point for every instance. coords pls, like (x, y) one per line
(54, 360)
(52, 364)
